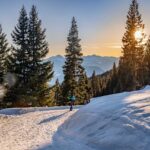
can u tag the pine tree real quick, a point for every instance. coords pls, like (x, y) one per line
(105, 81)
(27, 62)
(84, 91)
(112, 82)
(133, 49)
(146, 64)
(20, 50)
(18, 60)
(40, 70)
(58, 93)
(73, 65)
(95, 86)
(114, 78)
(4, 50)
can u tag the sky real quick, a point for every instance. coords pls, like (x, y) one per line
(101, 23)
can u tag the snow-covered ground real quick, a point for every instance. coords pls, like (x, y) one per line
(26, 129)
(114, 122)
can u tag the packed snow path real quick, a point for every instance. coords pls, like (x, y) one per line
(114, 122)
(26, 129)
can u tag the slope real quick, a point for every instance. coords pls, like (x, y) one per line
(114, 122)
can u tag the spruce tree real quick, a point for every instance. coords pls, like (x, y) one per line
(84, 90)
(113, 80)
(4, 50)
(58, 93)
(40, 70)
(18, 60)
(146, 63)
(95, 86)
(133, 49)
(73, 65)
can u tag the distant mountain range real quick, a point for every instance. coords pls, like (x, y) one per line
(98, 63)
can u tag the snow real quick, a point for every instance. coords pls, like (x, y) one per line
(114, 122)
(25, 129)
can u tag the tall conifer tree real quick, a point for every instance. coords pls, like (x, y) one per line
(73, 65)
(40, 70)
(133, 50)
(146, 63)
(4, 50)
(18, 60)
(27, 61)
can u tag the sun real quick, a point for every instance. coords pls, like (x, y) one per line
(138, 34)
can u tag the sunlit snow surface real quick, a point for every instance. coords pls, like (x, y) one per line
(114, 122)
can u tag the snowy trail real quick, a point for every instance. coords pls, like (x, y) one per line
(31, 128)
(114, 122)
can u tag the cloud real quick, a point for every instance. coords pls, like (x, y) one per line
(113, 45)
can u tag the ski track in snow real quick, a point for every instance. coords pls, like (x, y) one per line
(114, 122)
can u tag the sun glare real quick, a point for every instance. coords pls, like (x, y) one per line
(138, 34)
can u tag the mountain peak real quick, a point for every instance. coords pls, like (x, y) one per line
(91, 62)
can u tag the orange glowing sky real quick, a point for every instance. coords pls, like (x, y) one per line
(104, 36)
(101, 23)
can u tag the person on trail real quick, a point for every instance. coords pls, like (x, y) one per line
(87, 99)
(72, 100)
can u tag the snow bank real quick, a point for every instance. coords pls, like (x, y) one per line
(114, 122)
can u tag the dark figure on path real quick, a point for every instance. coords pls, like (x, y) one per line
(87, 101)
(72, 100)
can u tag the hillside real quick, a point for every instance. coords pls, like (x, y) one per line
(114, 122)
(98, 63)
